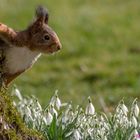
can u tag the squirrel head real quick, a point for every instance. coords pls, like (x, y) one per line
(41, 37)
(37, 37)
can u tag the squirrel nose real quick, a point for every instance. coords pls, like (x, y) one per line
(59, 46)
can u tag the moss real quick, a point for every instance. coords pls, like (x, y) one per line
(11, 123)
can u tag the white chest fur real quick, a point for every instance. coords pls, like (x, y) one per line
(19, 59)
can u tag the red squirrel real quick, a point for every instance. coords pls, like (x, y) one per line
(22, 48)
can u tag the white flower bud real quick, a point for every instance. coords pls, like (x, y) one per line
(5, 126)
(53, 99)
(52, 102)
(136, 110)
(39, 106)
(35, 115)
(53, 111)
(124, 108)
(17, 93)
(134, 121)
(136, 132)
(48, 119)
(65, 118)
(14, 103)
(90, 110)
(28, 111)
(105, 138)
(76, 135)
(58, 103)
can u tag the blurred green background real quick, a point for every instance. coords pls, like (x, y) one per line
(101, 50)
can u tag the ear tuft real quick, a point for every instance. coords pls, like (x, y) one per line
(42, 13)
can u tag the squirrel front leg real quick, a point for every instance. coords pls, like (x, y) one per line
(7, 34)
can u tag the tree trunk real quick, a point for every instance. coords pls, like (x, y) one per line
(12, 126)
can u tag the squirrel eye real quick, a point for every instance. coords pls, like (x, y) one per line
(46, 37)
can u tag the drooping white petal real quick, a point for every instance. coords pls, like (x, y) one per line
(17, 93)
(48, 119)
(58, 103)
(125, 109)
(76, 135)
(5, 126)
(136, 110)
(14, 103)
(90, 110)
(39, 106)
(53, 111)
(28, 111)
(64, 118)
(134, 121)
(53, 99)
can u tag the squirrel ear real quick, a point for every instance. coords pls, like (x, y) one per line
(42, 14)
(42, 17)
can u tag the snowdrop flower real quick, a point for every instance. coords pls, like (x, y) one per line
(68, 116)
(37, 115)
(64, 104)
(24, 101)
(124, 108)
(14, 103)
(136, 132)
(65, 118)
(17, 93)
(5, 126)
(28, 111)
(48, 119)
(106, 126)
(76, 135)
(99, 132)
(39, 106)
(70, 113)
(136, 135)
(136, 110)
(90, 110)
(53, 111)
(58, 103)
(53, 99)
(134, 121)
(30, 102)
(105, 138)
(89, 131)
